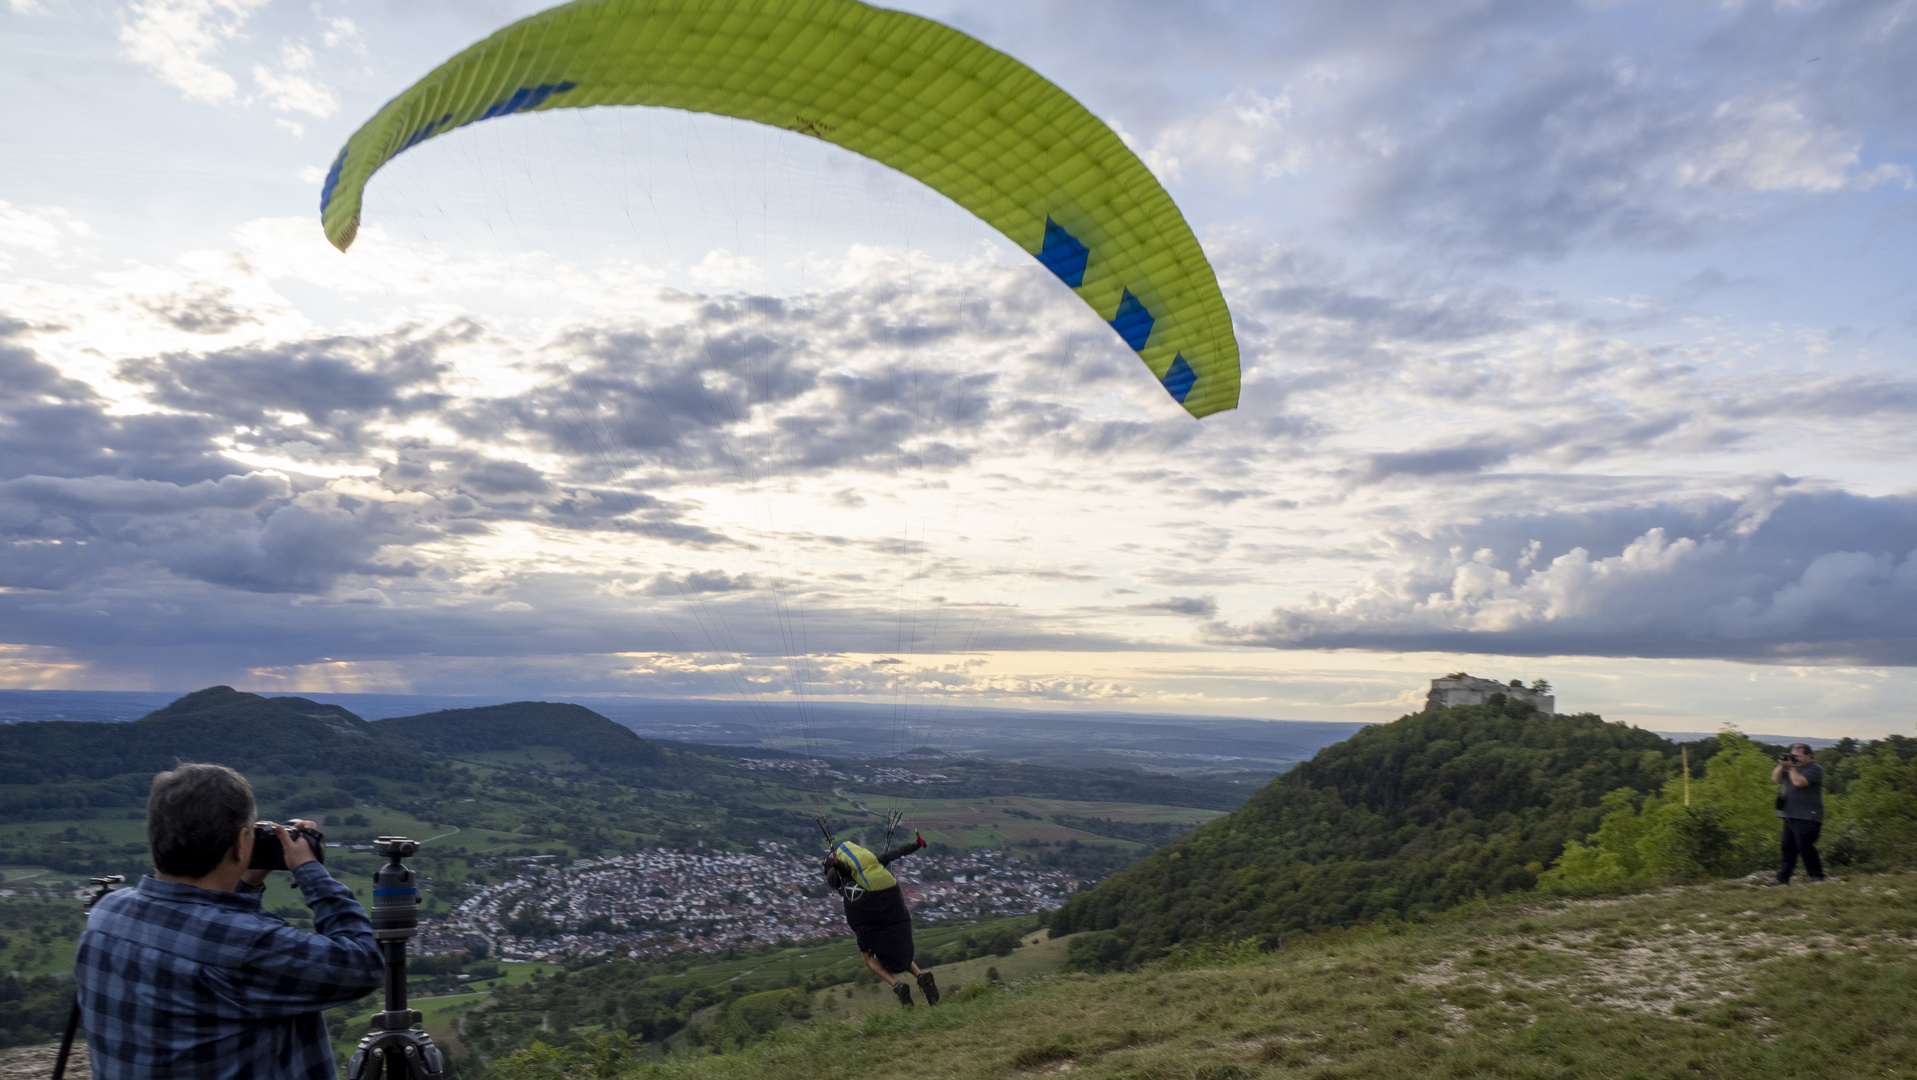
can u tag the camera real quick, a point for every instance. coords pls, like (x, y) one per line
(267, 853)
(1786, 759)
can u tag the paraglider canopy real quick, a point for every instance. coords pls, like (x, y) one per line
(912, 94)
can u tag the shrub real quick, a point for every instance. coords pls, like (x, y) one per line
(608, 1056)
(756, 1014)
(1730, 826)
(1882, 807)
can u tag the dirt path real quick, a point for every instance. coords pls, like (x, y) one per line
(36, 1062)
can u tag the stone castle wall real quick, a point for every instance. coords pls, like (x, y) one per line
(1471, 690)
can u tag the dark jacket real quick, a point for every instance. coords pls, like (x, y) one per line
(1802, 803)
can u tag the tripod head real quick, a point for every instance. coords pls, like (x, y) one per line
(103, 886)
(394, 1049)
(395, 891)
(395, 848)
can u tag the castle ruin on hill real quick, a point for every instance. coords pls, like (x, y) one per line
(1462, 689)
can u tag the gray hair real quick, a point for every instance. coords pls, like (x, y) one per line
(1805, 747)
(194, 815)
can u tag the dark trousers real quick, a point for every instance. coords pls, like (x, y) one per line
(1800, 838)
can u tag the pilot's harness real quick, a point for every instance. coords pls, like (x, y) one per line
(861, 869)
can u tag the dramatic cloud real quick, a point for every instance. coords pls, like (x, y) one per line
(1576, 146)
(248, 532)
(1783, 575)
(333, 384)
(1508, 130)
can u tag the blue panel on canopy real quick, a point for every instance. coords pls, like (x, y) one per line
(1180, 379)
(1064, 255)
(1133, 322)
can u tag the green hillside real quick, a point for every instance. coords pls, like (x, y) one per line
(579, 731)
(50, 768)
(1723, 981)
(1403, 818)
(524, 779)
(1447, 806)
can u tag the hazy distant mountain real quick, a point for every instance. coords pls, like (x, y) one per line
(1195, 746)
(97, 706)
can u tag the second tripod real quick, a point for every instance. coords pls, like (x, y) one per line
(394, 1049)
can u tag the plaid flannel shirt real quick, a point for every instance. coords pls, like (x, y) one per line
(178, 981)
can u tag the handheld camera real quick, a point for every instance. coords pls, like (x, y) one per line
(267, 853)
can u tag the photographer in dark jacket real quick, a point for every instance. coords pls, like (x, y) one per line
(1800, 802)
(185, 976)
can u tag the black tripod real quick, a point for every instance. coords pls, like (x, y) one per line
(394, 1050)
(101, 887)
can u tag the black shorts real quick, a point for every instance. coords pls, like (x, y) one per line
(884, 928)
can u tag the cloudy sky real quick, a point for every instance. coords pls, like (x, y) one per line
(1578, 345)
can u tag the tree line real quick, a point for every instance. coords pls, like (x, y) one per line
(1723, 823)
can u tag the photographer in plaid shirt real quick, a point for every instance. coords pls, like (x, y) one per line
(185, 976)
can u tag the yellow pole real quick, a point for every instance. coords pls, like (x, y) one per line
(1687, 775)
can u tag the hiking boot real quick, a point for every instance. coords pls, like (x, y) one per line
(1814, 880)
(904, 992)
(929, 988)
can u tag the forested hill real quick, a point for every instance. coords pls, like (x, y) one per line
(50, 767)
(573, 728)
(247, 730)
(1415, 815)
(215, 724)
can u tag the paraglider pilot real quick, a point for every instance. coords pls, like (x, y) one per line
(875, 909)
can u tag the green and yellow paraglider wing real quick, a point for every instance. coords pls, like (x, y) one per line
(968, 121)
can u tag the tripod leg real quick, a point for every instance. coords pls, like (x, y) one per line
(66, 1043)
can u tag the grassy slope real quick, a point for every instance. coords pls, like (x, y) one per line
(1037, 956)
(1718, 980)
(571, 1006)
